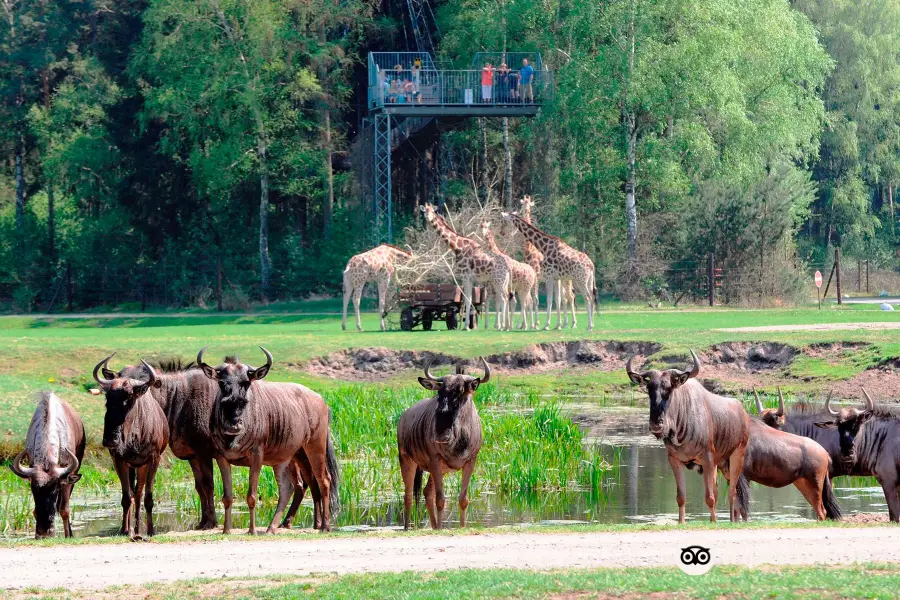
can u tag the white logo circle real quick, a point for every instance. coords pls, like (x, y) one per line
(694, 557)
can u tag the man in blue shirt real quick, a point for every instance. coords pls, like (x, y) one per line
(526, 76)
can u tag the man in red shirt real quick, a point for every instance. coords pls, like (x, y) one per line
(487, 82)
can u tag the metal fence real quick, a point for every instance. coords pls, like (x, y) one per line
(459, 88)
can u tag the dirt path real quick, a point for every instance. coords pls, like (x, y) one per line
(104, 565)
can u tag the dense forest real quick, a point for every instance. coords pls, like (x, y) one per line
(189, 152)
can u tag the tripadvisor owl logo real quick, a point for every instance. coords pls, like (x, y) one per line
(695, 559)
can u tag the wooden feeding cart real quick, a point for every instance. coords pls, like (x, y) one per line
(432, 302)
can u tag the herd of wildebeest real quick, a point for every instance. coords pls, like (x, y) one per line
(229, 415)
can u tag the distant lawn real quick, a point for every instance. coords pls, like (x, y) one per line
(858, 581)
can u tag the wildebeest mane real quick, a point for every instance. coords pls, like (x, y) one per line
(170, 364)
(49, 432)
(232, 360)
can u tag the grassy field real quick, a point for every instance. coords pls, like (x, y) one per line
(58, 353)
(860, 581)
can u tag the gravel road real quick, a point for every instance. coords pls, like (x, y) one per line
(100, 566)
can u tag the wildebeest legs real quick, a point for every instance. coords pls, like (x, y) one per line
(467, 470)
(678, 472)
(138, 495)
(255, 459)
(148, 496)
(892, 495)
(735, 467)
(227, 491)
(440, 500)
(300, 487)
(429, 501)
(62, 506)
(284, 476)
(203, 483)
(321, 479)
(123, 471)
(711, 486)
(408, 472)
(813, 495)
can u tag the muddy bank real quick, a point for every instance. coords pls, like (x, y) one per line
(374, 364)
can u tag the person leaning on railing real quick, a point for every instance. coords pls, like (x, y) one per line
(503, 83)
(487, 82)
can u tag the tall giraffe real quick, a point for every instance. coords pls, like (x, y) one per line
(378, 265)
(523, 279)
(533, 257)
(473, 265)
(561, 261)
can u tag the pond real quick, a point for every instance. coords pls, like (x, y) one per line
(638, 488)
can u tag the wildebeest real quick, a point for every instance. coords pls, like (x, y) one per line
(870, 445)
(698, 428)
(256, 423)
(440, 434)
(55, 448)
(186, 396)
(775, 459)
(136, 432)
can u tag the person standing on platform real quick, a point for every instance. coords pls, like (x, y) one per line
(526, 77)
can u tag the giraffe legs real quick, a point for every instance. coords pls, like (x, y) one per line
(383, 285)
(551, 288)
(467, 292)
(348, 292)
(357, 296)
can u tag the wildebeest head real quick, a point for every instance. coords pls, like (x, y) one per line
(660, 385)
(848, 422)
(772, 417)
(45, 483)
(234, 379)
(121, 393)
(454, 390)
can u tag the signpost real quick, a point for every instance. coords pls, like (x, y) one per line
(818, 280)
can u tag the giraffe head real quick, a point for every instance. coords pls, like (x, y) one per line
(527, 204)
(510, 217)
(430, 214)
(485, 229)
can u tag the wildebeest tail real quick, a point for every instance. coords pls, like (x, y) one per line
(334, 472)
(832, 508)
(743, 497)
(417, 486)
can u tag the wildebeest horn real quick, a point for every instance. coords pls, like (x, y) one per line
(628, 366)
(828, 408)
(199, 361)
(103, 364)
(696, 370)
(269, 360)
(780, 412)
(487, 371)
(153, 376)
(18, 469)
(870, 404)
(60, 472)
(759, 406)
(428, 374)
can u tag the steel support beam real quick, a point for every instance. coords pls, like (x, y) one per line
(381, 195)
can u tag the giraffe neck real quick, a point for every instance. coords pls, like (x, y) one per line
(459, 244)
(532, 234)
(492, 243)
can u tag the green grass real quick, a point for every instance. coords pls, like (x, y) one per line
(857, 581)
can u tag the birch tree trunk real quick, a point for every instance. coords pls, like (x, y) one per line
(261, 155)
(326, 134)
(508, 195)
(629, 121)
(482, 162)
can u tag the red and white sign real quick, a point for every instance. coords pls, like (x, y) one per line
(818, 279)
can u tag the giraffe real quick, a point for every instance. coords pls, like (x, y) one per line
(376, 265)
(473, 265)
(561, 262)
(533, 257)
(523, 279)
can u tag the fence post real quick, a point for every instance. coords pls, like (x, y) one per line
(837, 270)
(867, 275)
(858, 275)
(711, 279)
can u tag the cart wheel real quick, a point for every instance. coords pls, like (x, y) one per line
(452, 320)
(407, 321)
(427, 319)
